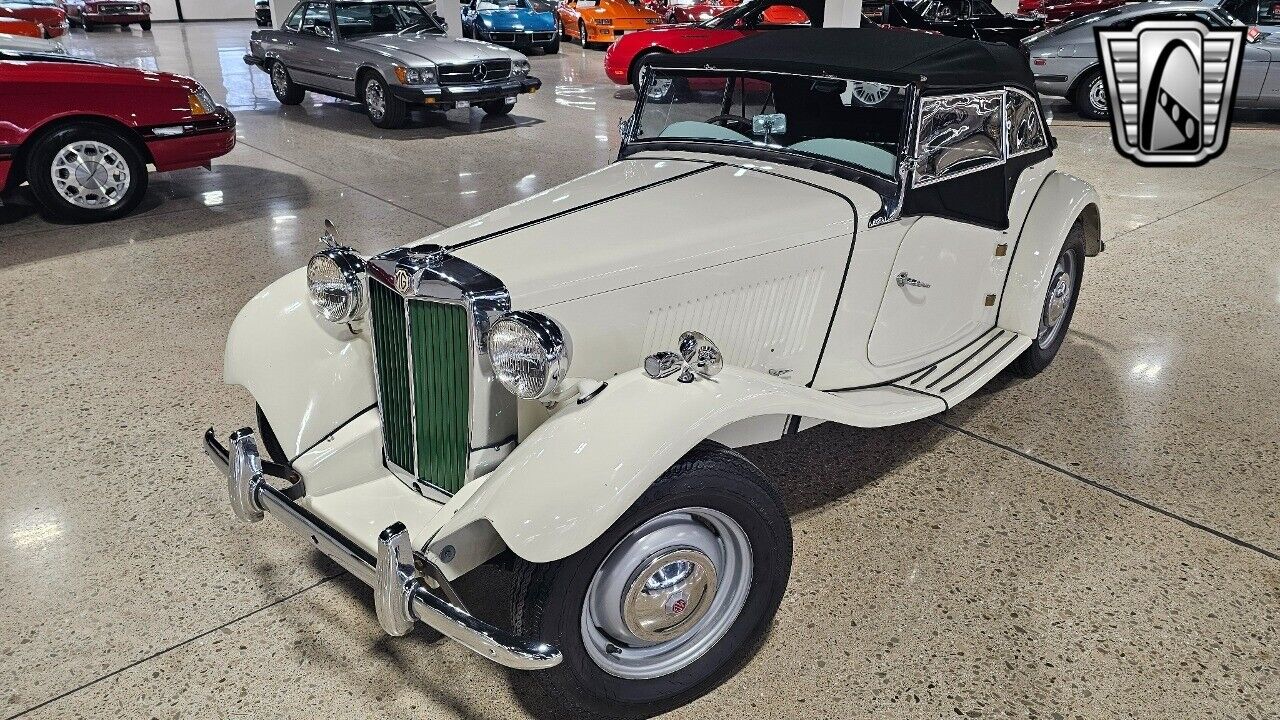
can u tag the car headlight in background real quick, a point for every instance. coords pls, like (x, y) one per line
(336, 283)
(530, 354)
(605, 22)
(519, 67)
(201, 101)
(415, 76)
(658, 21)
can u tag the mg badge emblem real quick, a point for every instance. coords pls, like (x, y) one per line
(402, 281)
(678, 607)
(1170, 85)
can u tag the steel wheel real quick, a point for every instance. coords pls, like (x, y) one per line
(375, 100)
(667, 593)
(1062, 285)
(90, 174)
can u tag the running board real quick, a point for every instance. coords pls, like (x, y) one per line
(955, 378)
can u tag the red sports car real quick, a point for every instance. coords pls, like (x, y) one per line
(622, 61)
(11, 24)
(46, 13)
(1056, 11)
(687, 12)
(84, 132)
(91, 14)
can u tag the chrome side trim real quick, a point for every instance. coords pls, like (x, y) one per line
(401, 592)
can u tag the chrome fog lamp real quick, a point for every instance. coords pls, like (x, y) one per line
(530, 354)
(335, 280)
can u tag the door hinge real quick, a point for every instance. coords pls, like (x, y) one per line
(1001, 249)
(991, 300)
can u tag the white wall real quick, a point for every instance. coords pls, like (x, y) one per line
(215, 9)
(163, 10)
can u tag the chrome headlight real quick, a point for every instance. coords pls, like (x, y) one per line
(335, 279)
(415, 76)
(519, 68)
(530, 354)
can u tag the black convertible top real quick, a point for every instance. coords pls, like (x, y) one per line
(893, 57)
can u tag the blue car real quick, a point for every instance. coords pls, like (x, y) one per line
(515, 23)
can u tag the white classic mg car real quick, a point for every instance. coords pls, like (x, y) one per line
(819, 225)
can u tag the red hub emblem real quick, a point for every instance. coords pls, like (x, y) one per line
(678, 606)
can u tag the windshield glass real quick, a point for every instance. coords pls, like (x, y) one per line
(751, 13)
(357, 19)
(849, 122)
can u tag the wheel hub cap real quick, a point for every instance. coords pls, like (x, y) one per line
(1057, 304)
(1098, 95)
(373, 98)
(666, 593)
(670, 595)
(1058, 299)
(90, 174)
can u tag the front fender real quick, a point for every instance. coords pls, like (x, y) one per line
(576, 474)
(1063, 199)
(309, 375)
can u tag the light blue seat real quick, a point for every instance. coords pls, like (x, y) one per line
(850, 151)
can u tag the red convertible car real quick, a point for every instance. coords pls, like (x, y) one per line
(85, 131)
(622, 61)
(46, 13)
(91, 14)
(11, 24)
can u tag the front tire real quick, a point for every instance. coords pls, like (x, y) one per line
(1091, 96)
(497, 108)
(283, 86)
(145, 25)
(87, 173)
(1059, 306)
(553, 47)
(88, 26)
(670, 601)
(385, 110)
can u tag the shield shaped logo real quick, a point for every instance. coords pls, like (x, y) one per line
(402, 281)
(1171, 85)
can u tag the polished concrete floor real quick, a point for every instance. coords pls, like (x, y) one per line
(1101, 541)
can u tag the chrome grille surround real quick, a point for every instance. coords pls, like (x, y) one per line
(475, 72)
(436, 276)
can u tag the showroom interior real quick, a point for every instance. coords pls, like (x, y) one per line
(1099, 539)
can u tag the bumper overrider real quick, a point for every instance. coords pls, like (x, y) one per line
(402, 580)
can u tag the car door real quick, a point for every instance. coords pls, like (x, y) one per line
(309, 60)
(280, 43)
(949, 270)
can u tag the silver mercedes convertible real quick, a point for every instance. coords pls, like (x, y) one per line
(389, 55)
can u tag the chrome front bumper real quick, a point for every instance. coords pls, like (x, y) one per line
(401, 591)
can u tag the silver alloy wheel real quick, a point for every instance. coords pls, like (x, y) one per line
(667, 593)
(1062, 285)
(870, 93)
(1098, 95)
(90, 174)
(374, 99)
(279, 79)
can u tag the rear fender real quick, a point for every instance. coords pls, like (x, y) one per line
(1062, 200)
(309, 375)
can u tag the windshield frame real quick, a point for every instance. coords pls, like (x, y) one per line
(434, 27)
(891, 190)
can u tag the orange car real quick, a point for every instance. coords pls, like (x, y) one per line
(602, 21)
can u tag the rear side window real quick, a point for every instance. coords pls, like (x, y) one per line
(317, 16)
(1024, 127)
(959, 134)
(295, 18)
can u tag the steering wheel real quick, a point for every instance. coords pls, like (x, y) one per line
(727, 121)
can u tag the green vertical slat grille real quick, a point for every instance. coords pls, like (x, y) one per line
(441, 368)
(387, 309)
(423, 385)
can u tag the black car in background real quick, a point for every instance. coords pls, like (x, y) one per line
(262, 12)
(976, 19)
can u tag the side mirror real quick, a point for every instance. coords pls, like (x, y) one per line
(323, 31)
(1254, 34)
(784, 15)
